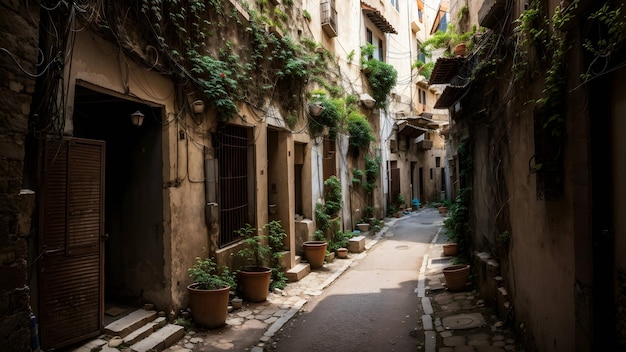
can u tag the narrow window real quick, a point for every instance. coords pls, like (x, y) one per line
(438, 161)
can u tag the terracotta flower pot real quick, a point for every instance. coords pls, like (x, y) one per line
(450, 249)
(342, 253)
(460, 49)
(315, 252)
(209, 308)
(254, 283)
(456, 276)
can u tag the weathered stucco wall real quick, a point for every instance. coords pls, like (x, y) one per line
(19, 28)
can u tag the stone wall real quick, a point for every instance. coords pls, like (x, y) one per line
(19, 41)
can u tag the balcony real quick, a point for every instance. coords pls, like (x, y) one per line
(329, 18)
(424, 144)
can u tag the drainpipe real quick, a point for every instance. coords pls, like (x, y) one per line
(211, 209)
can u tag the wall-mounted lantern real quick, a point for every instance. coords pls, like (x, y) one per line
(137, 118)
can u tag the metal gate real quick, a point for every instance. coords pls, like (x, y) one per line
(71, 301)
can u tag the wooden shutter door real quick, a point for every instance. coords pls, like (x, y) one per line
(71, 301)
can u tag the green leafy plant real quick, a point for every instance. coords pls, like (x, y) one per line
(456, 225)
(357, 176)
(382, 77)
(330, 116)
(306, 15)
(332, 195)
(549, 38)
(276, 235)
(424, 68)
(350, 56)
(446, 40)
(608, 38)
(186, 323)
(360, 130)
(372, 173)
(340, 240)
(255, 252)
(326, 213)
(209, 276)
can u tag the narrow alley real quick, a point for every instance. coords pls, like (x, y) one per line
(389, 298)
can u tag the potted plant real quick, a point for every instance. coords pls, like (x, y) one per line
(254, 277)
(209, 292)
(328, 223)
(276, 236)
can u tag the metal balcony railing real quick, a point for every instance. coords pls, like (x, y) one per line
(329, 18)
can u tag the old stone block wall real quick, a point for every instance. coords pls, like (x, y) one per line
(19, 23)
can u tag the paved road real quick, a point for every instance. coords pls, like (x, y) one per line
(373, 305)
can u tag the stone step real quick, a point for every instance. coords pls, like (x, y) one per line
(144, 331)
(298, 272)
(133, 321)
(160, 339)
(297, 260)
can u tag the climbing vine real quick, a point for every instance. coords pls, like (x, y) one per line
(549, 39)
(607, 36)
(212, 49)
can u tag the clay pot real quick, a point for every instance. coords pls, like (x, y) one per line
(254, 283)
(456, 276)
(315, 253)
(450, 249)
(209, 308)
(460, 49)
(342, 253)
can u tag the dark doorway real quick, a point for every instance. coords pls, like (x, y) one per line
(134, 250)
(421, 184)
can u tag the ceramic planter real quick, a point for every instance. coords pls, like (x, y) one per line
(315, 109)
(342, 253)
(363, 227)
(315, 252)
(209, 308)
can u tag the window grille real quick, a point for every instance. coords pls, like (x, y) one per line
(232, 153)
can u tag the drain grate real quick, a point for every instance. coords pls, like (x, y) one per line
(440, 261)
(463, 321)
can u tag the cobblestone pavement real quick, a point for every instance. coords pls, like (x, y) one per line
(451, 322)
(252, 326)
(457, 321)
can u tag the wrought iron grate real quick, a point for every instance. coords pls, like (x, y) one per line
(232, 153)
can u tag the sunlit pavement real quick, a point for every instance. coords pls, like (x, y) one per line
(451, 322)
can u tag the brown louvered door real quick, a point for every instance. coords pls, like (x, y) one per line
(71, 298)
(394, 187)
